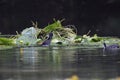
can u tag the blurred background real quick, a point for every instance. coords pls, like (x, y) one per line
(102, 17)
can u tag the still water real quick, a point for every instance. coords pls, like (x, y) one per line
(58, 63)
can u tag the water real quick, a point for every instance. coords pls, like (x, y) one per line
(58, 63)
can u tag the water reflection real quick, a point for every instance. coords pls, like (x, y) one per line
(58, 63)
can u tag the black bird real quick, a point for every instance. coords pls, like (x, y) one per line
(111, 47)
(48, 40)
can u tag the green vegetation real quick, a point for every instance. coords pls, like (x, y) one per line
(7, 41)
(52, 27)
(62, 36)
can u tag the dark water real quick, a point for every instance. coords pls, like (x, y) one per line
(58, 63)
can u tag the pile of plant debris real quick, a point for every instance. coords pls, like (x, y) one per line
(62, 36)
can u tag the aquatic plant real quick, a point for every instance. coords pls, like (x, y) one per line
(34, 35)
(52, 27)
(7, 41)
(64, 34)
(61, 35)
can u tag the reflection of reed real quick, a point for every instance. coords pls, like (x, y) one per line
(29, 56)
(57, 55)
(21, 54)
(58, 63)
(49, 57)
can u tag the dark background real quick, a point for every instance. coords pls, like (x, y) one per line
(99, 16)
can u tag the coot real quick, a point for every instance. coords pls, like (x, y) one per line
(48, 40)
